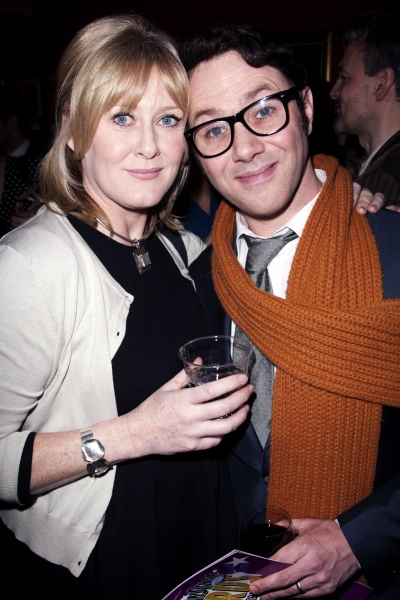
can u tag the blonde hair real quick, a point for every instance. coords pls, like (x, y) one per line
(109, 60)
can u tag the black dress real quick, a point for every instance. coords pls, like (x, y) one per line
(169, 515)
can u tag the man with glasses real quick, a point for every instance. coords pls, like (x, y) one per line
(300, 274)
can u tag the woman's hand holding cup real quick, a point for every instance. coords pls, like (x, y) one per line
(177, 418)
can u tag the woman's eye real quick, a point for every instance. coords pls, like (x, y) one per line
(170, 120)
(122, 119)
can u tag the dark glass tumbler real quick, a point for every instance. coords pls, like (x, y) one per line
(265, 529)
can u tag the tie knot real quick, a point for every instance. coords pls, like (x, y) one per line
(263, 251)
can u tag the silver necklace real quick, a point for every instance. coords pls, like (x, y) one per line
(140, 254)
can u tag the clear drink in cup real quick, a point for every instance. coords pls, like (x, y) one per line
(214, 357)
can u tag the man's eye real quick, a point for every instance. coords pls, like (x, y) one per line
(265, 111)
(215, 132)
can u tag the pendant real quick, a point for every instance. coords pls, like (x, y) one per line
(142, 258)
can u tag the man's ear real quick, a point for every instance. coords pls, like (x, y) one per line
(308, 104)
(384, 82)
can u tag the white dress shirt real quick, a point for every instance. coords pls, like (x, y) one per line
(279, 267)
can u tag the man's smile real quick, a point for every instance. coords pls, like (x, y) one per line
(260, 174)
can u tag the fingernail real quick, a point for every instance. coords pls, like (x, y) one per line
(242, 379)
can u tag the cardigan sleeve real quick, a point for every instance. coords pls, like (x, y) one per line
(27, 353)
(25, 470)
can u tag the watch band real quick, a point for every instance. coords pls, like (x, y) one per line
(86, 434)
(93, 453)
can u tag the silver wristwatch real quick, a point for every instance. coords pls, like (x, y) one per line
(93, 452)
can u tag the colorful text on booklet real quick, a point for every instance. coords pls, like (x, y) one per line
(230, 577)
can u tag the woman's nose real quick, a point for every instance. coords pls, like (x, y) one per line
(146, 144)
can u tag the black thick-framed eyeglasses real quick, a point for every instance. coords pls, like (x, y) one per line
(264, 117)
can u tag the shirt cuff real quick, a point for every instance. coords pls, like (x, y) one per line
(25, 470)
(359, 566)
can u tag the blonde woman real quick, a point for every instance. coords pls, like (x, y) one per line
(96, 300)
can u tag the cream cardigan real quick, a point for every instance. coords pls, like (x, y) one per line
(62, 320)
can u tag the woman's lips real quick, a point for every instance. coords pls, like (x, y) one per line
(144, 173)
(261, 174)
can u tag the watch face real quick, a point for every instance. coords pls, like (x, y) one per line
(92, 450)
(98, 468)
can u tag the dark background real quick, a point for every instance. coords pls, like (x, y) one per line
(33, 34)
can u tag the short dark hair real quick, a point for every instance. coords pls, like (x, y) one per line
(378, 33)
(257, 47)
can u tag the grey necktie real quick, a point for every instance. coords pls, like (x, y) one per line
(260, 254)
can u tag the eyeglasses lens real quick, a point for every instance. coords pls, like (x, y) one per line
(265, 117)
(213, 138)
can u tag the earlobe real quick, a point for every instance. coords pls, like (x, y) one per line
(70, 144)
(308, 104)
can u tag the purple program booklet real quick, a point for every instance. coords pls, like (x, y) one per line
(230, 578)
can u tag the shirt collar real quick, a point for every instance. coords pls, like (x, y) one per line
(21, 150)
(296, 223)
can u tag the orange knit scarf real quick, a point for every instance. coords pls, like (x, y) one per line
(336, 345)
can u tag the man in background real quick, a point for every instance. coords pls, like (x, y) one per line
(19, 159)
(367, 98)
(320, 446)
